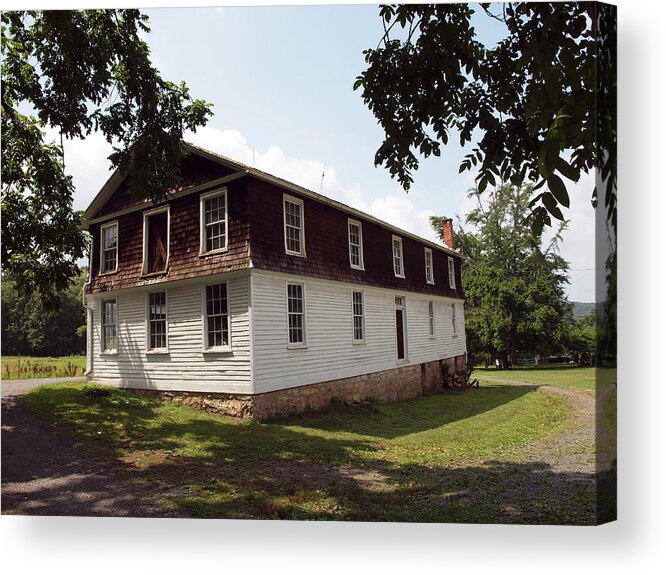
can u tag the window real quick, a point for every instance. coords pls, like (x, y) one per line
(296, 314)
(431, 317)
(453, 319)
(358, 316)
(398, 268)
(155, 240)
(109, 339)
(157, 321)
(213, 214)
(430, 276)
(294, 236)
(355, 232)
(452, 274)
(217, 335)
(109, 248)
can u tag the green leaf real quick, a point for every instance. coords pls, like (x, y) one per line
(567, 170)
(551, 205)
(559, 190)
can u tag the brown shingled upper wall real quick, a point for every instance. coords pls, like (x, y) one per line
(256, 220)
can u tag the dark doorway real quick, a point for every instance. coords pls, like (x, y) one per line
(400, 327)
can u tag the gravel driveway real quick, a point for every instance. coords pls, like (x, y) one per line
(46, 472)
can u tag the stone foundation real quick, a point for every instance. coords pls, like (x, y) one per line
(400, 383)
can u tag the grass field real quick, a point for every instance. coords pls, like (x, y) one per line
(14, 367)
(441, 458)
(569, 376)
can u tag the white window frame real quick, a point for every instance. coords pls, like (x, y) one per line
(146, 216)
(454, 320)
(202, 222)
(452, 273)
(204, 320)
(297, 344)
(359, 225)
(429, 266)
(157, 350)
(101, 247)
(431, 319)
(401, 258)
(292, 200)
(103, 348)
(362, 316)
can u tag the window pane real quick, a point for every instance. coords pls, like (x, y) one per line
(217, 315)
(157, 320)
(295, 313)
(357, 314)
(215, 223)
(109, 248)
(109, 325)
(293, 223)
(110, 237)
(452, 276)
(397, 257)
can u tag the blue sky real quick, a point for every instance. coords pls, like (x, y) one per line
(280, 79)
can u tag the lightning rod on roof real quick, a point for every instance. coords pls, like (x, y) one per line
(323, 173)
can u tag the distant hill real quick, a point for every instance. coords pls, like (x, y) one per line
(581, 308)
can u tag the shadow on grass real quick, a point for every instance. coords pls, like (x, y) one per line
(391, 420)
(206, 466)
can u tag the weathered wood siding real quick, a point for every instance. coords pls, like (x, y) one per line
(184, 258)
(195, 170)
(186, 366)
(327, 247)
(331, 353)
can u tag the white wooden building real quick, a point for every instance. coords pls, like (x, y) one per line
(261, 298)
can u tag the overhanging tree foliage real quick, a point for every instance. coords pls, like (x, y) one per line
(515, 302)
(78, 72)
(543, 99)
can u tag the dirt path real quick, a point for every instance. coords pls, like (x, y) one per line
(571, 450)
(45, 471)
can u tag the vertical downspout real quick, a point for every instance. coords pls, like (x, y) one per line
(89, 326)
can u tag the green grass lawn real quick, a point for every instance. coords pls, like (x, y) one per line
(571, 376)
(436, 458)
(14, 367)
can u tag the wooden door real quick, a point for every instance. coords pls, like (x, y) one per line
(400, 328)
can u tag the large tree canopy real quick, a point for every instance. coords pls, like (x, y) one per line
(541, 101)
(513, 280)
(77, 72)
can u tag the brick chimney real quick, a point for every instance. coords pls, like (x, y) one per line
(448, 233)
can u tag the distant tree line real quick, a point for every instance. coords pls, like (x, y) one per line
(30, 328)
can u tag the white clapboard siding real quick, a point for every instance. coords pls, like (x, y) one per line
(186, 367)
(330, 352)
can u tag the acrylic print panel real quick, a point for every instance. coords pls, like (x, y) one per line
(298, 370)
